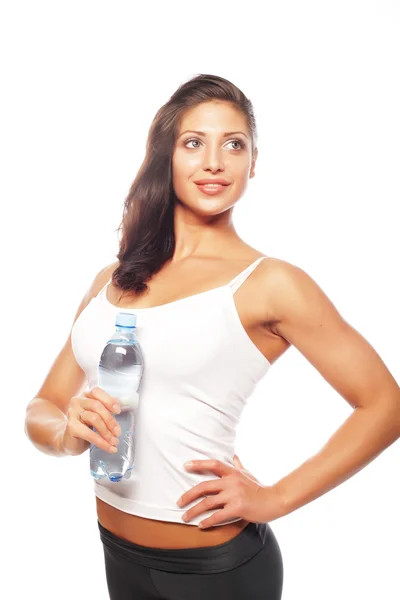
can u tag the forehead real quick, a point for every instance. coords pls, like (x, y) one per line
(213, 115)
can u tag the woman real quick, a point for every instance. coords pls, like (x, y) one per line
(214, 318)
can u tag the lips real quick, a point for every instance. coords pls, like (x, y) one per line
(218, 180)
(212, 189)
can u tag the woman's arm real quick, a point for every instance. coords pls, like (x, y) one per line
(45, 424)
(47, 414)
(308, 320)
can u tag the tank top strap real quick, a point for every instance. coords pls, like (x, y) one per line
(237, 281)
(102, 292)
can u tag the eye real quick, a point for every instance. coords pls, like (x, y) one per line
(191, 140)
(241, 144)
(236, 141)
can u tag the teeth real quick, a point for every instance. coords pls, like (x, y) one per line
(212, 185)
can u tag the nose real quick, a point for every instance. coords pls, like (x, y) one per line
(213, 158)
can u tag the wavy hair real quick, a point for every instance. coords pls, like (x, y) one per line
(147, 237)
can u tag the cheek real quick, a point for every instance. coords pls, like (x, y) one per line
(181, 156)
(188, 163)
(180, 179)
(183, 174)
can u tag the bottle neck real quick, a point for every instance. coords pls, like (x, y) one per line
(126, 332)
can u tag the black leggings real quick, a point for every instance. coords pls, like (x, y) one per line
(247, 567)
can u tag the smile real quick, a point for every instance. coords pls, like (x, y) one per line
(211, 188)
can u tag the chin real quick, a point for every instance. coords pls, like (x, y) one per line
(212, 207)
(203, 204)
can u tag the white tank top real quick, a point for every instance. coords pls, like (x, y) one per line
(200, 369)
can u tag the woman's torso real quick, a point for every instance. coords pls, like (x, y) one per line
(172, 282)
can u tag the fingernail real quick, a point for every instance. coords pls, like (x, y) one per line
(116, 409)
(117, 430)
(189, 464)
(179, 503)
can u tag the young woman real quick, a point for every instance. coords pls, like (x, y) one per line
(213, 315)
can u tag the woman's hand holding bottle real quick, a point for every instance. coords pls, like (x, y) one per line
(94, 408)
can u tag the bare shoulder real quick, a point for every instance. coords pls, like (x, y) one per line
(308, 319)
(280, 272)
(296, 299)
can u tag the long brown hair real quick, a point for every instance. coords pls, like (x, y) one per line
(147, 226)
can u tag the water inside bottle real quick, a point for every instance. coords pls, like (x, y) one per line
(119, 374)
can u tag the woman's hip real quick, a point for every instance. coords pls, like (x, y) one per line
(247, 567)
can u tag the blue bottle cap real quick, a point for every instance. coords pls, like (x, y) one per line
(124, 319)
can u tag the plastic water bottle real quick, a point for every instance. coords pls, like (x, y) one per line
(119, 374)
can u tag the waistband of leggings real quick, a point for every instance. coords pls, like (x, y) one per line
(206, 559)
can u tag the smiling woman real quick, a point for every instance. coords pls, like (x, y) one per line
(213, 314)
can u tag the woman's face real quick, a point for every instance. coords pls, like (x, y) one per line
(221, 148)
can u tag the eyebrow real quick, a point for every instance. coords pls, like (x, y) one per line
(203, 134)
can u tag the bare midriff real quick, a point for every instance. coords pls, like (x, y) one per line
(163, 534)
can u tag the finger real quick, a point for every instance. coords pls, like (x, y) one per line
(80, 430)
(91, 418)
(218, 518)
(202, 489)
(237, 462)
(109, 401)
(213, 465)
(103, 420)
(209, 503)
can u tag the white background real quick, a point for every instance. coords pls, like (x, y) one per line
(82, 82)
